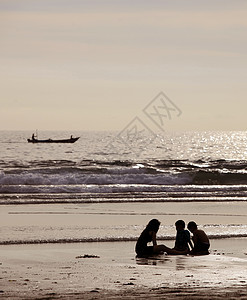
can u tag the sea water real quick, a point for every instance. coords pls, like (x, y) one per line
(105, 188)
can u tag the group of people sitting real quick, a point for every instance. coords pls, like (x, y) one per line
(183, 245)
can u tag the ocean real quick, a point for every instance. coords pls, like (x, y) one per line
(106, 187)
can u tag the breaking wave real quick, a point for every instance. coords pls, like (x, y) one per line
(107, 239)
(72, 179)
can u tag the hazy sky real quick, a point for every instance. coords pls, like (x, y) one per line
(94, 65)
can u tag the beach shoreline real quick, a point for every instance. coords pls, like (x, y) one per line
(163, 293)
(110, 270)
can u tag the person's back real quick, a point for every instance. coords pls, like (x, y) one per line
(199, 236)
(200, 240)
(148, 235)
(141, 244)
(182, 240)
(183, 236)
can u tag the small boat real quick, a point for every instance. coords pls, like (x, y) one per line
(35, 140)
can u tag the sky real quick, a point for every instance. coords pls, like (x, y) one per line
(95, 64)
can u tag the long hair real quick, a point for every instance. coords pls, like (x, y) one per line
(153, 225)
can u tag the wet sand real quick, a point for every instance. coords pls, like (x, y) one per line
(111, 271)
(113, 221)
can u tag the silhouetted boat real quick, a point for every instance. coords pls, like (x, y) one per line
(71, 140)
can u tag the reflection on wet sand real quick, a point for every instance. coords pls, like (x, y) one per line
(153, 260)
(178, 262)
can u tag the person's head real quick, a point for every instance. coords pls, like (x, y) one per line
(180, 225)
(192, 226)
(153, 225)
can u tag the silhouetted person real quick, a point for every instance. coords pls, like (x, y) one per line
(183, 241)
(200, 240)
(149, 235)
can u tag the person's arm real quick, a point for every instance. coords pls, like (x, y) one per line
(154, 238)
(195, 238)
(191, 245)
(187, 234)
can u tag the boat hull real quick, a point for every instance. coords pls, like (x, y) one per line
(71, 140)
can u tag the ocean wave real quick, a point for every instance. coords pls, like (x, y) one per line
(89, 176)
(73, 177)
(107, 239)
(41, 194)
(104, 177)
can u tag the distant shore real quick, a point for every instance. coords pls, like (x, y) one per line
(111, 271)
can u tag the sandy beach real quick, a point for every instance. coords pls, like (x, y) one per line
(59, 268)
(115, 113)
(111, 270)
